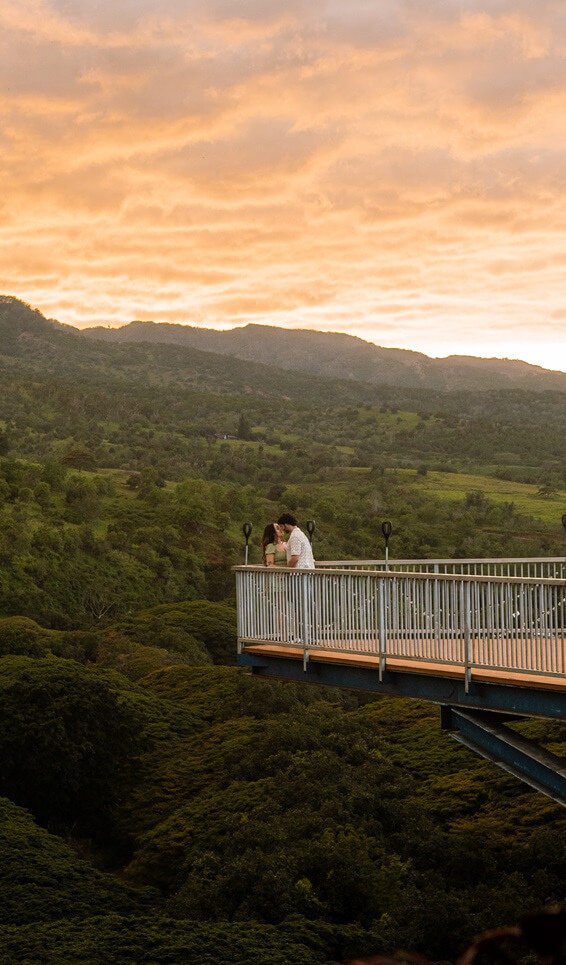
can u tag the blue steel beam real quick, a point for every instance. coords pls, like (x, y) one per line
(523, 701)
(484, 734)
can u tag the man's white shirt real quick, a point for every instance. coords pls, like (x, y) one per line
(298, 545)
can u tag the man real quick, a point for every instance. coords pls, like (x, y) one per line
(299, 552)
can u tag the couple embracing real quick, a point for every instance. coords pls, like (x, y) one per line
(294, 552)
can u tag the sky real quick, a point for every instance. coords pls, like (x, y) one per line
(392, 169)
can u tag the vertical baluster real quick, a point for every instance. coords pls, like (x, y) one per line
(513, 591)
(394, 633)
(561, 624)
(485, 621)
(553, 626)
(430, 651)
(415, 632)
(413, 617)
(446, 618)
(403, 605)
(367, 613)
(422, 616)
(509, 628)
(263, 605)
(412, 630)
(522, 622)
(425, 617)
(248, 611)
(323, 628)
(497, 628)
(337, 594)
(336, 591)
(465, 630)
(475, 625)
(375, 607)
(543, 628)
(458, 621)
(382, 588)
(239, 611)
(550, 595)
(527, 619)
(250, 581)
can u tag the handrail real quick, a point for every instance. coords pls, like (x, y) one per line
(392, 574)
(515, 566)
(465, 560)
(512, 623)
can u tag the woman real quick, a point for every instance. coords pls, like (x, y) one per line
(273, 546)
(274, 552)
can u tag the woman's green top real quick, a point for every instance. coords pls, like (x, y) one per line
(280, 558)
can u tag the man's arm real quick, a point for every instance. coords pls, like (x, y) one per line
(293, 561)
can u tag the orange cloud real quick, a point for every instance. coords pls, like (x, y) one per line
(388, 169)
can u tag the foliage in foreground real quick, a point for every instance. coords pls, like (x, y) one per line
(281, 821)
(116, 940)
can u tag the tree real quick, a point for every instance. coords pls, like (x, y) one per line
(43, 880)
(244, 428)
(64, 742)
(78, 457)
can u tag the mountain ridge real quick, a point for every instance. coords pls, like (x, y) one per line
(339, 355)
(25, 332)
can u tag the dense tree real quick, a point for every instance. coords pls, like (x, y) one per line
(64, 743)
(43, 880)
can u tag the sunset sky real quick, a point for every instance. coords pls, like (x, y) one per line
(394, 169)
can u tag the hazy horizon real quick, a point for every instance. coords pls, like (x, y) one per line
(230, 328)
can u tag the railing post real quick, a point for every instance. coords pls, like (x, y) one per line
(466, 616)
(305, 621)
(382, 631)
(239, 609)
(436, 609)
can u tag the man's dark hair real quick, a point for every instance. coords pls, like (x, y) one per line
(287, 519)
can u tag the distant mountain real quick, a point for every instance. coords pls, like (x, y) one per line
(34, 346)
(343, 356)
(277, 362)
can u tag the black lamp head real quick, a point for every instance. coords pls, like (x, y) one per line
(247, 529)
(311, 526)
(386, 528)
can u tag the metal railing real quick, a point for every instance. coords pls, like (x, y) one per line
(547, 568)
(506, 623)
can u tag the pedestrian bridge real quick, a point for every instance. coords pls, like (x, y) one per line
(484, 639)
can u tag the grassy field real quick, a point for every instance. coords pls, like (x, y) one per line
(455, 486)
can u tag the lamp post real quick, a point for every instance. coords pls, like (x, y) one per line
(311, 528)
(386, 528)
(564, 521)
(247, 529)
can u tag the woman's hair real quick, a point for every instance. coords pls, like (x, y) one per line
(269, 536)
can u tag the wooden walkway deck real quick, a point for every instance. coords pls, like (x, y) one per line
(407, 665)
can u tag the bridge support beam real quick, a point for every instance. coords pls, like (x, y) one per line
(485, 734)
